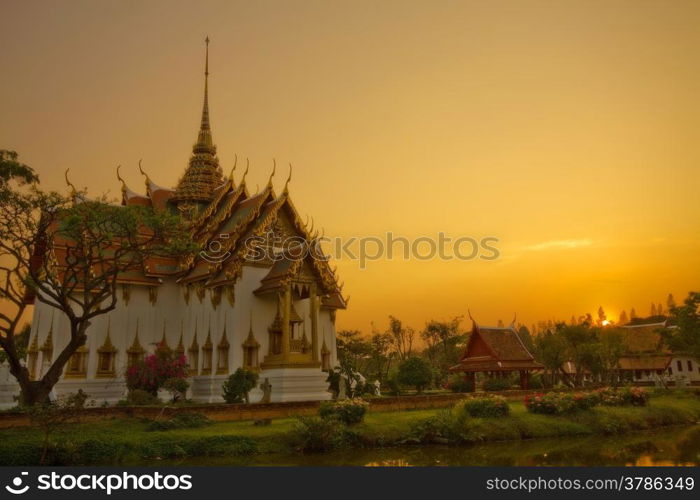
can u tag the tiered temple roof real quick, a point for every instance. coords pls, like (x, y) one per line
(224, 215)
(494, 348)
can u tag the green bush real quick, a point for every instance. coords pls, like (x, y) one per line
(177, 387)
(348, 411)
(488, 406)
(180, 421)
(238, 385)
(316, 434)
(497, 384)
(394, 387)
(415, 372)
(551, 403)
(460, 384)
(444, 426)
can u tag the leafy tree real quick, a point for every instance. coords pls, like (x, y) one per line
(380, 356)
(442, 339)
(12, 170)
(68, 252)
(416, 372)
(685, 338)
(550, 350)
(633, 314)
(402, 338)
(653, 310)
(238, 386)
(602, 317)
(670, 302)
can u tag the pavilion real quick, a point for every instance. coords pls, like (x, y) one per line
(496, 351)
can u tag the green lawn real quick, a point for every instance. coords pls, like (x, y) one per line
(128, 440)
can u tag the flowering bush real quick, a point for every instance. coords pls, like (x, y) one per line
(586, 400)
(487, 406)
(552, 403)
(348, 411)
(636, 396)
(151, 373)
(459, 384)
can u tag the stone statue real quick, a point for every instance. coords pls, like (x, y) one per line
(353, 385)
(377, 388)
(342, 387)
(266, 388)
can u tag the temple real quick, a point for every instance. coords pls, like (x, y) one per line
(225, 307)
(496, 351)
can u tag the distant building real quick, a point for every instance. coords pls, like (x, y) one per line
(646, 361)
(496, 351)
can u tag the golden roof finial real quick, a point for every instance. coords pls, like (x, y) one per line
(119, 177)
(233, 169)
(74, 191)
(289, 178)
(247, 166)
(274, 169)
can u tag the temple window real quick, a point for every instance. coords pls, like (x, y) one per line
(690, 366)
(325, 357)
(222, 350)
(250, 350)
(33, 357)
(134, 354)
(207, 351)
(106, 356)
(77, 363)
(679, 365)
(193, 356)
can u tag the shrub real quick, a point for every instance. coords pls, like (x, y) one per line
(586, 400)
(177, 387)
(497, 384)
(321, 434)
(238, 385)
(139, 397)
(416, 372)
(180, 421)
(460, 384)
(151, 373)
(552, 403)
(488, 406)
(348, 411)
(636, 396)
(394, 387)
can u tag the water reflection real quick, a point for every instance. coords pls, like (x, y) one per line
(670, 447)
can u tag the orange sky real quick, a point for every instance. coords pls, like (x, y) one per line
(569, 130)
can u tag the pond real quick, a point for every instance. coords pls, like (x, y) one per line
(679, 446)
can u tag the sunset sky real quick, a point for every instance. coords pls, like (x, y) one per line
(569, 130)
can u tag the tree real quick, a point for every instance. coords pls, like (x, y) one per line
(416, 372)
(12, 170)
(670, 303)
(686, 338)
(633, 314)
(653, 310)
(68, 252)
(601, 316)
(402, 338)
(380, 356)
(659, 309)
(442, 339)
(525, 336)
(623, 318)
(238, 385)
(550, 350)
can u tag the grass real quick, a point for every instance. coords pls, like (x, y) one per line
(129, 440)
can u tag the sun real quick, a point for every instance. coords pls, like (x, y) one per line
(605, 322)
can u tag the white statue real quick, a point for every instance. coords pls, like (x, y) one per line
(377, 388)
(353, 385)
(342, 387)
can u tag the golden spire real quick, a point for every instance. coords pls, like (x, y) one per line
(203, 174)
(204, 138)
(286, 184)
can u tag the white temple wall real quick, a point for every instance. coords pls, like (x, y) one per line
(171, 310)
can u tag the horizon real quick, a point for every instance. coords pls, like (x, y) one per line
(568, 132)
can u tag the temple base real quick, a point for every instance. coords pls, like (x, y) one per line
(297, 384)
